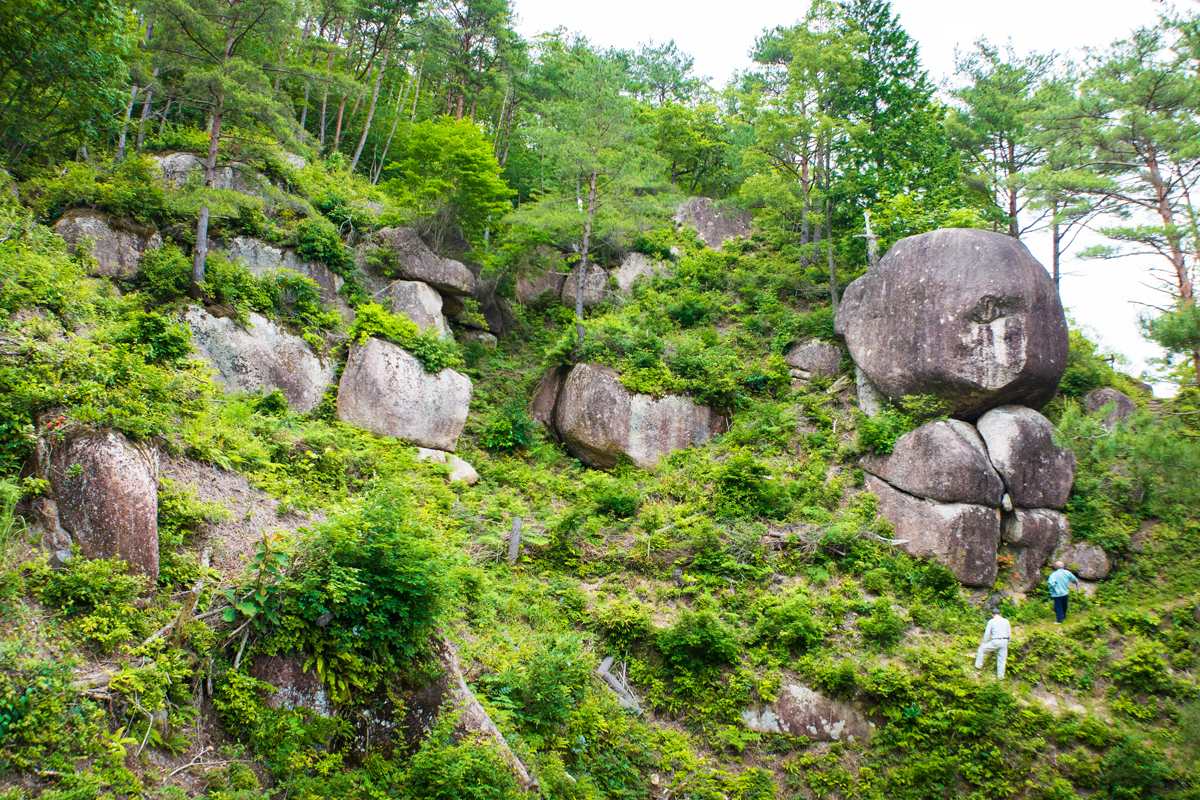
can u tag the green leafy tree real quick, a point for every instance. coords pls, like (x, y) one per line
(993, 126)
(1139, 114)
(63, 72)
(449, 175)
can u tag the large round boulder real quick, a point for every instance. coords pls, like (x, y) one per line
(386, 390)
(963, 537)
(106, 490)
(600, 420)
(968, 316)
(1020, 443)
(945, 461)
(420, 303)
(1120, 405)
(261, 356)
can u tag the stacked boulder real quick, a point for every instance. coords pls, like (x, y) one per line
(972, 319)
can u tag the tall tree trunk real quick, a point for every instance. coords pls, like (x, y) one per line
(1055, 243)
(581, 278)
(399, 111)
(337, 128)
(210, 166)
(125, 123)
(371, 111)
(146, 104)
(325, 100)
(833, 290)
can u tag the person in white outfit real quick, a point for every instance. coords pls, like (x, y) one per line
(995, 640)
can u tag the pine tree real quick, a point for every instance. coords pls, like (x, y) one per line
(225, 51)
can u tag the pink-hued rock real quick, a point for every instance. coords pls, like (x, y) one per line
(1088, 561)
(943, 460)
(1031, 536)
(800, 711)
(593, 287)
(714, 228)
(106, 490)
(294, 688)
(416, 262)
(386, 390)
(262, 356)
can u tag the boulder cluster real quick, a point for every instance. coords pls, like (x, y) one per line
(971, 319)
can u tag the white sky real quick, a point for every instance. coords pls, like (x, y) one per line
(719, 36)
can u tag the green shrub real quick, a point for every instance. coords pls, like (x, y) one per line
(744, 487)
(618, 501)
(838, 679)
(97, 596)
(434, 352)
(698, 639)
(792, 625)
(511, 429)
(624, 622)
(878, 434)
(162, 341)
(1144, 668)
(883, 626)
(546, 684)
(164, 273)
(383, 575)
(318, 240)
(444, 770)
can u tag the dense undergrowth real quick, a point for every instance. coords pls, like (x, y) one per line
(725, 573)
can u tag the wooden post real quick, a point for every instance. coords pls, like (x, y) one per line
(514, 541)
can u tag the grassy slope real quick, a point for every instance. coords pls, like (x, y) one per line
(825, 605)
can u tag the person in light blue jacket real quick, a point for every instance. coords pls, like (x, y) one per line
(1060, 585)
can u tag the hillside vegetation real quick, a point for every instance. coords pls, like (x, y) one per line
(717, 579)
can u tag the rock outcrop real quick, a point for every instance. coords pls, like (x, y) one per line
(294, 688)
(482, 338)
(545, 396)
(117, 251)
(1020, 443)
(416, 262)
(871, 401)
(420, 303)
(963, 537)
(1031, 536)
(633, 267)
(1088, 561)
(386, 390)
(944, 461)
(263, 356)
(599, 420)
(1122, 404)
(460, 471)
(260, 257)
(106, 492)
(714, 228)
(178, 168)
(404, 713)
(800, 711)
(593, 287)
(815, 357)
(968, 316)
